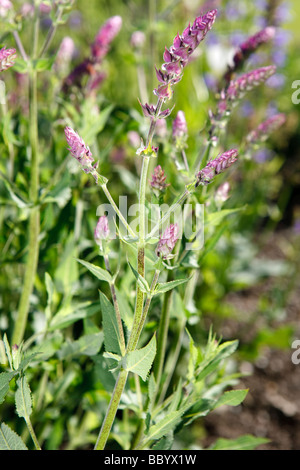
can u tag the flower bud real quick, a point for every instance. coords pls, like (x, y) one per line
(158, 180)
(102, 230)
(78, 148)
(167, 241)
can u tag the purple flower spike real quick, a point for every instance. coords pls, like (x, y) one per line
(7, 58)
(238, 87)
(102, 230)
(177, 56)
(78, 148)
(263, 131)
(158, 180)
(249, 81)
(216, 166)
(105, 36)
(167, 242)
(252, 43)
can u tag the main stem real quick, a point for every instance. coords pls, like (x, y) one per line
(32, 434)
(138, 315)
(34, 218)
(141, 254)
(112, 410)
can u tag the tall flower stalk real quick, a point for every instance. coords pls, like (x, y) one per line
(176, 59)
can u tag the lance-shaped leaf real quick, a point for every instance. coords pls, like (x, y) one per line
(110, 326)
(231, 398)
(142, 283)
(164, 426)
(210, 364)
(9, 440)
(163, 287)
(5, 378)
(23, 398)
(246, 442)
(216, 217)
(140, 361)
(100, 273)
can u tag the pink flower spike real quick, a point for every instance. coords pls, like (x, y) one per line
(7, 58)
(216, 166)
(104, 37)
(78, 148)
(177, 56)
(263, 131)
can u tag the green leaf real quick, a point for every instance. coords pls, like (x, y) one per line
(95, 124)
(5, 378)
(71, 313)
(23, 398)
(166, 286)
(66, 273)
(216, 217)
(232, 398)
(210, 364)
(40, 65)
(199, 408)
(110, 326)
(21, 66)
(164, 426)
(88, 345)
(8, 350)
(246, 442)
(100, 273)
(165, 443)
(140, 360)
(9, 440)
(142, 283)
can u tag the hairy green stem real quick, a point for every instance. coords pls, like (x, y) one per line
(111, 410)
(163, 333)
(32, 433)
(139, 306)
(141, 255)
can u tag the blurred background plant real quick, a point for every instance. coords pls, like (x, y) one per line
(248, 271)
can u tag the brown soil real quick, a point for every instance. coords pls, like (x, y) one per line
(272, 406)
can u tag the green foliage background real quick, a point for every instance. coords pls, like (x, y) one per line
(70, 381)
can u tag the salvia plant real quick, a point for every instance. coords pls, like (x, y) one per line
(154, 381)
